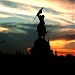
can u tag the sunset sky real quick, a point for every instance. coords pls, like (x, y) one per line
(19, 32)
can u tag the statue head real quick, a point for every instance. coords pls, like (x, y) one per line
(42, 16)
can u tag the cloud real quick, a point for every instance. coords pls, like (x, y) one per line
(59, 15)
(11, 17)
(71, 1)
(62, 18)
(18, 8)
(70, 45)
(10, 4)
(57, 5)
(56, 13)
(4, 16)
(67, 36)
(16, 28)
(16, 40)
(18, 37)
(2, 29)
(55, 32)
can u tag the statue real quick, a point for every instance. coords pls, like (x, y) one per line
(41, 29)
(41, 51)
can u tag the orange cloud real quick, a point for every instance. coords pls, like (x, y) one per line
(64, 52)
(59, 46)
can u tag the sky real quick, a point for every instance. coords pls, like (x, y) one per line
(19, 32)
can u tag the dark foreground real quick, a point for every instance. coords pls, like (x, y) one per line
(24, 62)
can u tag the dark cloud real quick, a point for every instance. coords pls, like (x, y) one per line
(21, 41)
(20, 26)
(67, 37)
(53, 30)
(55, 33)
(18, 41)
(73, 1)
(70, 45)
(69, 1)
(56, 36)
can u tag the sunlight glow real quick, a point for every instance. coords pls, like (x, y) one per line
(2, 29)
(4, 16)
(19, 10)
(58, 45)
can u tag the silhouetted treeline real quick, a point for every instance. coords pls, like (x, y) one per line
(26, 59)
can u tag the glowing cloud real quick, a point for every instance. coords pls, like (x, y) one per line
(60, 44)
(63, 47)
(4, 16)
(18, 10)
(2, 29)
(57, 44)
(65, 8)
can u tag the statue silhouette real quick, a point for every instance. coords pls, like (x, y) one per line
(41, 28)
